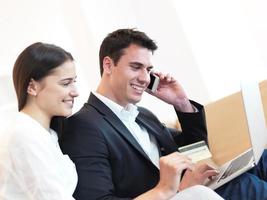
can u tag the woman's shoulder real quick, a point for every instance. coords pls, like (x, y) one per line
(24, 132)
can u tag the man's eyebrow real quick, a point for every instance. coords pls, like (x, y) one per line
(140, 64)
(137, 63)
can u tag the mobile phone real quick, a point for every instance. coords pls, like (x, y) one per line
(154, 82)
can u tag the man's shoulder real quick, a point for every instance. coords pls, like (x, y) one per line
(82, 121)
(146, 112)
(87, 114)
(80, 128)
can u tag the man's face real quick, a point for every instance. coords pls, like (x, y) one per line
(130, 77)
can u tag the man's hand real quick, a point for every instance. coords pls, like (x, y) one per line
(171, 168)
(197, 176)
(170, 91)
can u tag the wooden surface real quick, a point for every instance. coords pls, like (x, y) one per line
(227, 126)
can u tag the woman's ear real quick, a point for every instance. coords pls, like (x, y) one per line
(32, 87)
(107, 65)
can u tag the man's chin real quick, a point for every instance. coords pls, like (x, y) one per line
(135, 100)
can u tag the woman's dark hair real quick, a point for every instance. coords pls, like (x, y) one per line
(115, 42)
(36, 62)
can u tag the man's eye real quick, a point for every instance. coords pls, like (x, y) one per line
(134, 67)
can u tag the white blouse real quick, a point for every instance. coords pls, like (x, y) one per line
(32, 166)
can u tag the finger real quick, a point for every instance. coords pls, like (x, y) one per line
(159, 74)
(176, 160)
(210, 173)
(189, 163)
(184, 166)
(204, 167)
(177, 155)
(168, 78)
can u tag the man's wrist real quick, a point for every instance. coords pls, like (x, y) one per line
(185, 106)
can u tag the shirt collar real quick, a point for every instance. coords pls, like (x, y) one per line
(126, 114)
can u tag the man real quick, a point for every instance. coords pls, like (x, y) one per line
(122, 151)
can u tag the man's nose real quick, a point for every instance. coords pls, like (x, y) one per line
(144, 76)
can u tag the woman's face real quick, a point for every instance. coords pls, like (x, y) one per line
(56, 92)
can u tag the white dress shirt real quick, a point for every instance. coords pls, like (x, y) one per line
(127, 115)
(32, 166)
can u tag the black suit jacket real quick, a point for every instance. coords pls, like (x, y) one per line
(109, 161)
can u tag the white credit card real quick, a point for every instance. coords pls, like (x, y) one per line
(196, 151)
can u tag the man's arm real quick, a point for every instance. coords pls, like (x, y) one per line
(171, 168)
(193, 126)
(190, 114)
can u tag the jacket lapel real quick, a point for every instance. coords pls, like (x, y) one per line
(160, 132)
(115, 122)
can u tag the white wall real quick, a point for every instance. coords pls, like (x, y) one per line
(208, 45)
(225, 41)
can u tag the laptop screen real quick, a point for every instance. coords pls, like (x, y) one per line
(255, 117)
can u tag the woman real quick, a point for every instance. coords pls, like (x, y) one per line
(32, 165)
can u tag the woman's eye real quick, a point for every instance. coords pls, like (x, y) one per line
(66, 84)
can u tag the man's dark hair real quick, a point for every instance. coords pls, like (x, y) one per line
(115, 42)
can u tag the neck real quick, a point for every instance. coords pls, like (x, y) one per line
(102, 90)
(108, 92)
(38, 115)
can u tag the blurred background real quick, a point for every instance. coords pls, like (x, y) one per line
(208, 45)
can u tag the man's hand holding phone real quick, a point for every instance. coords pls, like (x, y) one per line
(168, 89)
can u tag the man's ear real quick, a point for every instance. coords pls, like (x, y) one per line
(32, 88)
(108, 65)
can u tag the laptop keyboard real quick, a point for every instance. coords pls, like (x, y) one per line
(237, 164)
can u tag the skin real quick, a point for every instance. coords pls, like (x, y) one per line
(125, 83)
(53, 95)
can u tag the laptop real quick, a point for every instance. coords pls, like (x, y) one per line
(255, 119)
